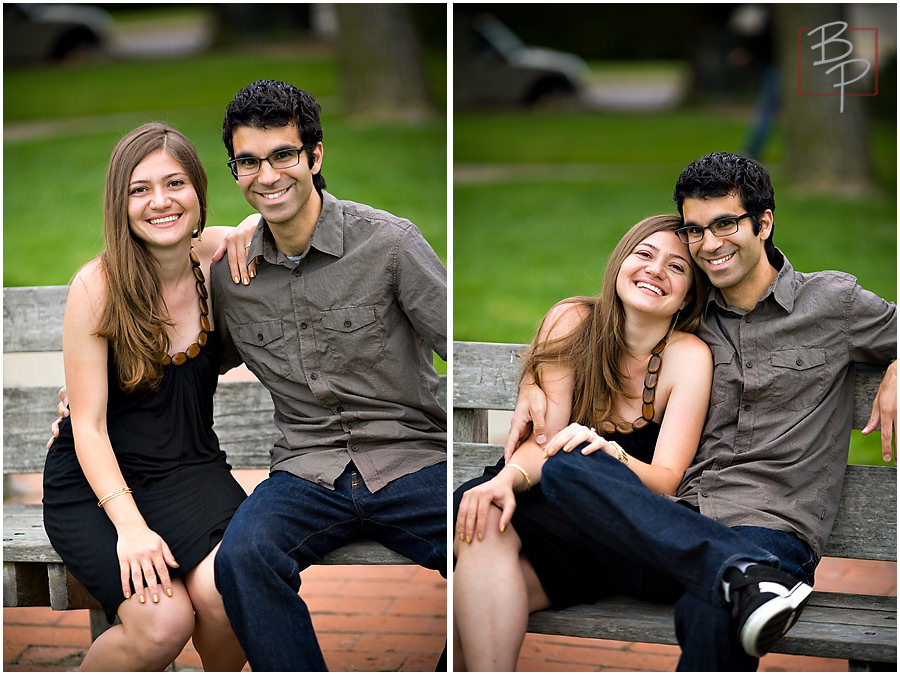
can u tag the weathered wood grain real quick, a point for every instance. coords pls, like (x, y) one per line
(834, 625)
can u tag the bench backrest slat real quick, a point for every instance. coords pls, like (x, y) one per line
(486, 377)
(32, 322)
(32, 318)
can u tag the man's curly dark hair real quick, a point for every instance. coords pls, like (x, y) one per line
(270, 103)
(720, 174)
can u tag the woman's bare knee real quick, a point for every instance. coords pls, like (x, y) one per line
(159, 629)
(493, 545)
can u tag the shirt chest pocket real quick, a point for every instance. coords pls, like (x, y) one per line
(799, 377)
(354, 336)
(263, 346)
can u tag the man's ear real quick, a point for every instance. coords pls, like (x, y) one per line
(766, 219)
(318, 153)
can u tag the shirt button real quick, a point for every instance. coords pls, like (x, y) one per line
(747, 319)
(259, 336)
(347, 324)
(749, 364)
(799, 362)
(746, 408)
(705, 493)
(296, 271)
(354, 448)
(313, 376)
(303, 326)
(350, 425)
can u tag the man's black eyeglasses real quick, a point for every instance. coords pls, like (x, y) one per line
(280, 159)
(721, 227)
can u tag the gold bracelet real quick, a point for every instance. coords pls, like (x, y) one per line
(623, 457)
(112, 495)
(524, 473)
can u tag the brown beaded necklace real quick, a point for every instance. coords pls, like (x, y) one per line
(192, 351)
(650, 381)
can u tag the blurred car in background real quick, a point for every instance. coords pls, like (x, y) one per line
(492, 66)
(38, 32)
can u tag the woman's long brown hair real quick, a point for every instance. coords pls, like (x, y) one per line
(135, 318)
(594, 349)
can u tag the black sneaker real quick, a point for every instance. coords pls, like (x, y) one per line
(765, 603)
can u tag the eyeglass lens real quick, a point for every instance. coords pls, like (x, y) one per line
(280, 159)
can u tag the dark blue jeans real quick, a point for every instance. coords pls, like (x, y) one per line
(288, 524)
(670, 549)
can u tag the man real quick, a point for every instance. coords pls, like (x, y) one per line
(763, 489)
(339, 323)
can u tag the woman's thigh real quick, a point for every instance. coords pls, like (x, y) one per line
(201, 587)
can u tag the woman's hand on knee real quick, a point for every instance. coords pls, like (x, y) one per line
(474, 507)
(144, 559)
(574, 435)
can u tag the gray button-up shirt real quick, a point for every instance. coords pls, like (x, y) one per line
(774, 448)
(343, 340)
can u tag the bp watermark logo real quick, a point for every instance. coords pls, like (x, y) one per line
(827, 50)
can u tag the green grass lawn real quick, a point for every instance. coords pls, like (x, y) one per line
(54, 173)
(540, 199)
(61, 124)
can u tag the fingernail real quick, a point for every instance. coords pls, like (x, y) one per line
(141, 598)
(480, 537)
(503, 528)
(245, 281)
(155, 598)
(236, 279)
(887, 458)
(468, 540)
(169, 592)
(252, 274)
(127, 595)
(541, 439)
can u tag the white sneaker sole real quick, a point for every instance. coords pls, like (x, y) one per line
(765, 626)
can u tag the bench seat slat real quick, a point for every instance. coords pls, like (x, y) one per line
(24, 540)
(836, 625)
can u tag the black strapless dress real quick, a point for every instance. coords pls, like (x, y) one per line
(569, 574)
(170, 457)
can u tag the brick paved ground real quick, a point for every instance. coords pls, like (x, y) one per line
(368, 618)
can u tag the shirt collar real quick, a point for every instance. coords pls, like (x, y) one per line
(328, 236)
(781, 290)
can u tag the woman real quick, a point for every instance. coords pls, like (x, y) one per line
(626, 355)
(141, 361)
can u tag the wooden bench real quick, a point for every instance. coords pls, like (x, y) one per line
(33, 574)
(859, 628)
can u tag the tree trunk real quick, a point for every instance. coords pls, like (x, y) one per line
(381, 62)
(825, 150)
